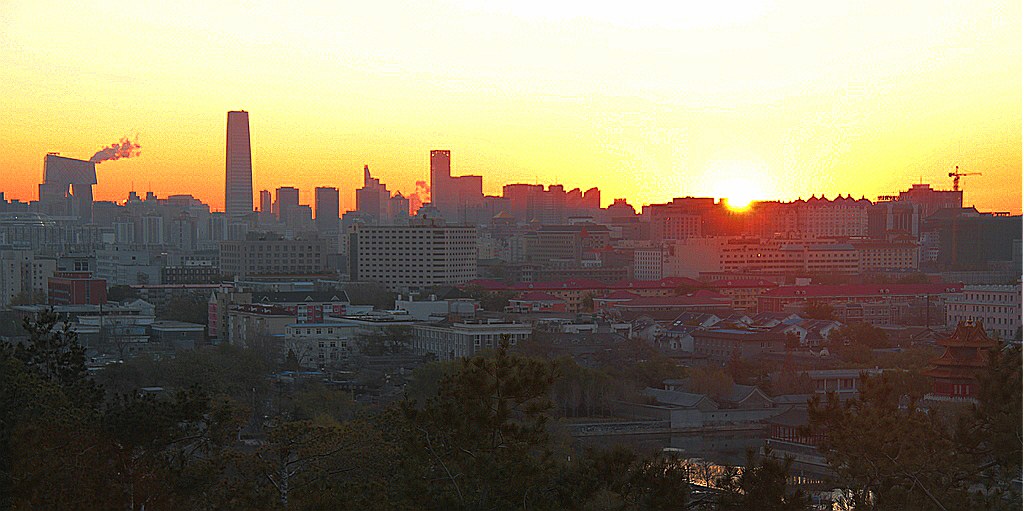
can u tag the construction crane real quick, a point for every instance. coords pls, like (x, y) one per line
(956, 175)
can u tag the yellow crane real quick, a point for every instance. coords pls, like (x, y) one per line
(956, 175)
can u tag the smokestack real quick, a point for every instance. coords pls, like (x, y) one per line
(123, 149)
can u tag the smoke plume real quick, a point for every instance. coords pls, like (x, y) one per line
(420, 196)
(123, 149)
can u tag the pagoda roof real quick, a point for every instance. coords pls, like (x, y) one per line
(968, 334)
(974, 359)
(950, 373)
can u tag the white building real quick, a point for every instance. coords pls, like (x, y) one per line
(413, 257)
(690, 257)
(436, 308)
(319, 344)
(466, 338)
(649, 263)
(997, 307)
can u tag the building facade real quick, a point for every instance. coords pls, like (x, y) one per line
(238, 167)
(414, 257)
(996, 307)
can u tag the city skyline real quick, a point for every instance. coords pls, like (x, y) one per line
(784, 100)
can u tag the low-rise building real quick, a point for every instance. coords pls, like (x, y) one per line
(75, 288)
(777, 300)
(997, 308)
(273, 255)
(451, 340)
(536, 301)
(320, 344)
(723, 345)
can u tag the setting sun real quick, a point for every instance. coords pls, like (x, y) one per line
(738, 184)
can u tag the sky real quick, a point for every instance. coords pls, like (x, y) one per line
(647, 101)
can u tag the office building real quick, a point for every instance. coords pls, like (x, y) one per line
(413, 257)
(453, 197)
(376, 205)
(238, 167)
(997, 308)
(76, 288)
(286, 203)
(273, 255)
(327, 207)
(67, 187)
(266, 202)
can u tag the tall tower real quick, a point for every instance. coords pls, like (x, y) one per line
(440, 177)
(327, 209)
(238, 169)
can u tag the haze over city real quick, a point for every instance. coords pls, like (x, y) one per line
(760, 100)
(719, 256)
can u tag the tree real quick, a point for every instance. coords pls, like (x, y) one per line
(714, 382)
(482, 441)
(861, 333)
(991, 433)
(761, 485)
(190, 309)
(370, 293)
(818, 310)
(891, 456)
(53, 352)
(28, 298)
(121, 293)
(494, 301)
(391, 340)
(619, 478)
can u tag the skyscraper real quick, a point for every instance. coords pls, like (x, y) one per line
(287, 202)
(440, 176)
(238, 168)
(266, 202)
(327, 209)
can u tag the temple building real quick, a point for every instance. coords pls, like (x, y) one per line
(954, 375)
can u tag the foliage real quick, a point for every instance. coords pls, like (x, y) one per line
(368, 293)
(482, 440)
(761, 485)
(494, 301)
(818, 310)
(226, 369)
(893, 456)
(28, 298)
(711, 381)
(121, 293)
(992, 432)
(581, 391)
(391, 340)
(619, 478)
(425, 380)
(637, 364)
(862, 334)
(187, 308)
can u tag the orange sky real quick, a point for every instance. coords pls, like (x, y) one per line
(754, 99)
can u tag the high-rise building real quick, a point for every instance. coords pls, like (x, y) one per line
(286, 203)
(238, 168)
(413, 257)
(266, 202)
(67, 187)
(327, 209)
(452, 196)
(440, 174)
(374, 201)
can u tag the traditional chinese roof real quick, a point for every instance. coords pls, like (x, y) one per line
(969, 334)
(538, 296)
(967, 352)
(850, 290)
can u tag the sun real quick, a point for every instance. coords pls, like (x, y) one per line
(738, 192)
